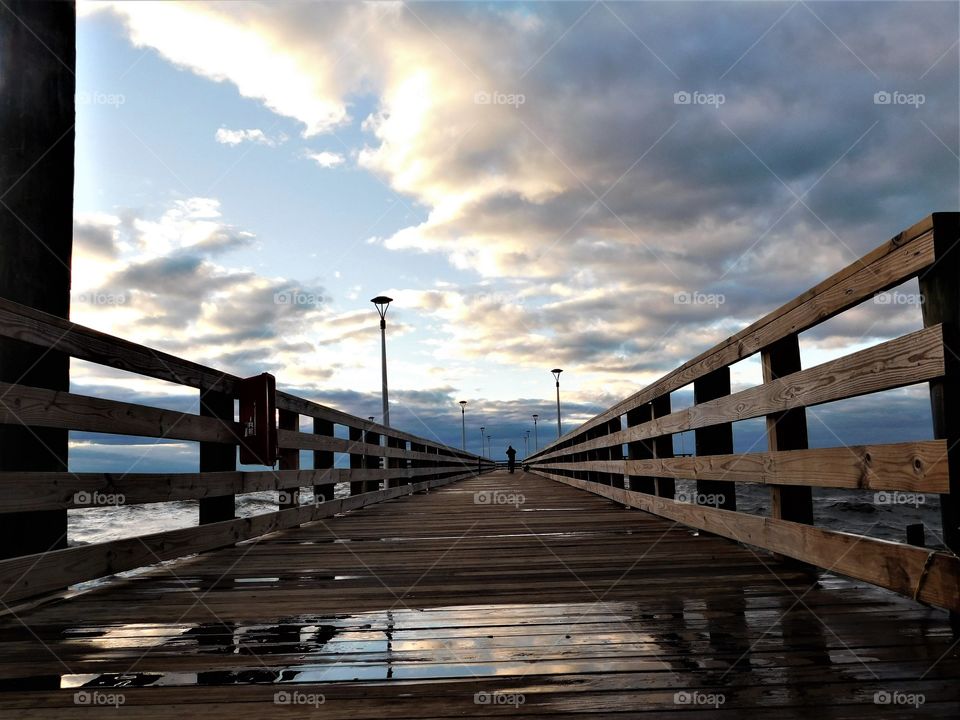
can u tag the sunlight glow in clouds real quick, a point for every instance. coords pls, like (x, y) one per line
(579, 214)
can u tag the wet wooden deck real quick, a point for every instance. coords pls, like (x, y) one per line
(546, 600)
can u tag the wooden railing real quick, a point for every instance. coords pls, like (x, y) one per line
(591, 456)
(400, 465)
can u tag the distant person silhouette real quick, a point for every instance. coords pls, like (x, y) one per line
(511, 458)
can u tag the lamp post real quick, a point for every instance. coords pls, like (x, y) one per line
(463, 425)
(489, 446)
(536, 435)
(483, 449)
(556, 373)
(382, 302)
(526, 444)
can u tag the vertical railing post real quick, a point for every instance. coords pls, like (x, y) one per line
(395, 463)
(372, 461)
(787, 430)
(940, 295)
(357, 460)
(663, 447)
(323, 460)
(289, 495)
(614, 452)
(217, 457)
(716, 439)
(641, 449)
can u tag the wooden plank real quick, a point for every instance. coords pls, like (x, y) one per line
(932, 575)
(34, 574)
(40, 328)
(309, 441)
(45, 330)
(48, 408)
(897, 260)
(910, 359)
(919, 467)
(30, 491)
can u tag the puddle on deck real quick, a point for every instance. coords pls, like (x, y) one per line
(465, 642)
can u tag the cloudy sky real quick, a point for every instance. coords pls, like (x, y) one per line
(609, 188)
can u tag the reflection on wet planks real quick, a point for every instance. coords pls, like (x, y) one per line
(559, 603)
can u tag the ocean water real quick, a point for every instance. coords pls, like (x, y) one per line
(862, 513)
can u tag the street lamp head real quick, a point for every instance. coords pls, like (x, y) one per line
(556, 373)
(463, 403)
(535, 416)
(382, 302)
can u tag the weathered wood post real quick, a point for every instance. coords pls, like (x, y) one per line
(372, 461)
(940, 295)
(217, 457)
(716, 439)
(787, 430)
(323, 460)
(356, 460)
(37, 64)
(289, 495)
(641, 449)
(663, 447)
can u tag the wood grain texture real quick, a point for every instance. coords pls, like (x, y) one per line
(905, 569)
(912, 467)
(409, 608)
(34, 574)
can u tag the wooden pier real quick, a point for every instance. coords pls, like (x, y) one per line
(497, 595)
(400, 577)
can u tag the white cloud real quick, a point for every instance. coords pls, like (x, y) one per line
(326, 159)
(225, 136)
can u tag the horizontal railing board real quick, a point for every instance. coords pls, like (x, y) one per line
(905, 569)
(31, 491)
(30, 325)
(286, 401)
(39, 407)
(310, 441)
(912, 358)
(894, 262)
(39, 328)
(31, 575)
(912, 467)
